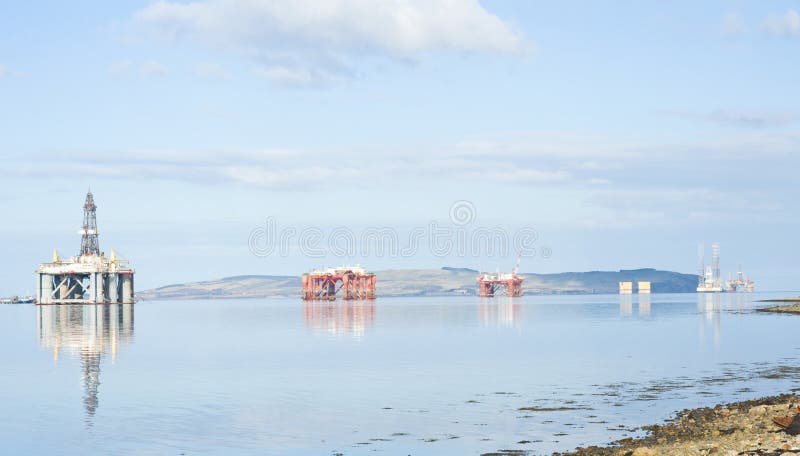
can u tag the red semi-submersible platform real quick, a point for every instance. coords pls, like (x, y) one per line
(352, 282)
(490, 283)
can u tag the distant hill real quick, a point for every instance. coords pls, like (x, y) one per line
(430, 282)
(608, 281)
(249, 286)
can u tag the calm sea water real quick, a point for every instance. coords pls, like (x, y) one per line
(396, 376)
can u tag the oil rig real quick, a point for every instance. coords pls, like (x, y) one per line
(490, 283)
(740, 283)
(709, 277)
(89, 277)
(354, 282)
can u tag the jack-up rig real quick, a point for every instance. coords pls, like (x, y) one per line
(710, 279)
(89, 277)
(490, 283)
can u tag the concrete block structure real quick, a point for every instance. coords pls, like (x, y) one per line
(626, 288)
(643, 287)
(89, 277)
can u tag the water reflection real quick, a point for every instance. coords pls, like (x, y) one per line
(741, 301)
(626, 305)
(88, 332)
(710, 306)
(339, 317)
(644, 305)
(501, 311)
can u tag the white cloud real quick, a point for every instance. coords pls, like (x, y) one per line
(295, 77)
(622, 181)
(673, 205)
(732, 25)
(120, 68)
(579, 147)
(579, 162)
(312, 42)
(786, 24)
(266, 176)
(748, 119)
(517, 175)
(124, 68)
(153, 68)
(211, 70)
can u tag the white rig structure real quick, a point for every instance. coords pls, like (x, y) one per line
(89, 277)
(710, 279)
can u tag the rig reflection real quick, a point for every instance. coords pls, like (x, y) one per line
(87, 332)
(500, 312)
(340, 317)
(710, 307)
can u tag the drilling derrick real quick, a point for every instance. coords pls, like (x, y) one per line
(715, 261)
(710, 279)
(89, 241)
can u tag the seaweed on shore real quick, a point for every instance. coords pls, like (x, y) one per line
(687, 425)
(552, 409)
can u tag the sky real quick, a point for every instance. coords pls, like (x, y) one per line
(622, 133)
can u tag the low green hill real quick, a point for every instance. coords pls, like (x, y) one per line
(430, 282)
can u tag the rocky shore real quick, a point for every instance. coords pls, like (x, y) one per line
(789, 308)
(757, 427)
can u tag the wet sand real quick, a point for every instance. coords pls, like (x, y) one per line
(741, 428)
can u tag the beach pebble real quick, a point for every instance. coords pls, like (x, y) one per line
(758, 410)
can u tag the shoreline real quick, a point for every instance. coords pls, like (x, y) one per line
(738, 428)
(148, 296)
(786, 309)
